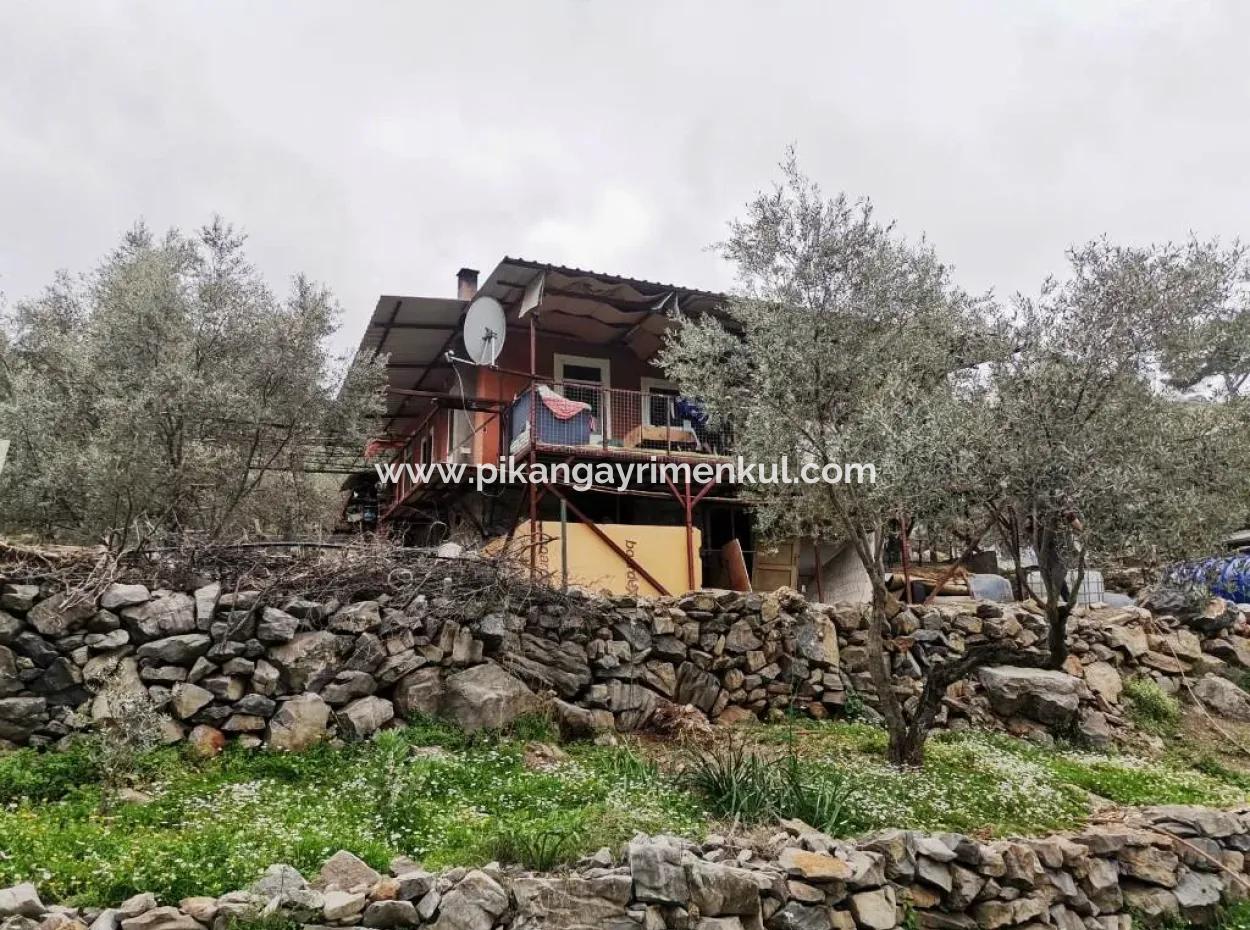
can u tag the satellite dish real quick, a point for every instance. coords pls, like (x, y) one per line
(484, 330)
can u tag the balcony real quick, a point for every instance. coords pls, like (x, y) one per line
(588, 419)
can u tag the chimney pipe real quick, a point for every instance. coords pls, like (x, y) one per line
(466, 283)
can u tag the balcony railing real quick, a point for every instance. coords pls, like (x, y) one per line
(586, 417)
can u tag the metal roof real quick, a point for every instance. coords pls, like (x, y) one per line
(416, 332)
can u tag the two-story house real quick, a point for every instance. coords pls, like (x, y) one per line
(574, 381)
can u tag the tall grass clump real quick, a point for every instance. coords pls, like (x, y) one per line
(744, 785)
(1150, 707)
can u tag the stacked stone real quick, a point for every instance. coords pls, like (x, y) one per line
(221, 664)
(1168, 863)
(216, 663)
(1106, 644)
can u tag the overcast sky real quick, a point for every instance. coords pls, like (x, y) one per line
(378, 147)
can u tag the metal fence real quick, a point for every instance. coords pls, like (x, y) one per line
(584, 416)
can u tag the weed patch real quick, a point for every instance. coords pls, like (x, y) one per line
(1150, 707)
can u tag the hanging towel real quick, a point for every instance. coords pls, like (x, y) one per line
(561, 407)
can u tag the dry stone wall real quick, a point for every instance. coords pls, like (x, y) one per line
(220, 664)
(1163, 864)
(213, 664)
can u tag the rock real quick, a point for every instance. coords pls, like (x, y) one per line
(697, 687)
(136, 905)
(1093, 727)
(659, 877)
(343, 904)
(581, 722)
(276, 626)
(21, 716)
(1104, 681)
(1130, 640)
(347, 686)
(1149, 864)
(188, 700)
(570, 903)
(202, 909)
(59, 616)
(741, 638)
(162, 918)
(1150, 902)
(21, 900)
(206, 603)
(299, 723)
(390, 914)
(356, 618)
(117, 596)
(182, 649)
(365, 716)
(1197, 891)
(796, 916)
(277, 880)
(1044, 695)
(720, 889)
(817, 641)
(204, 741)
(243, 723)
(485, 697)
(18, 597)
(346, 872)
(1223, 697)
(264, 678)
(1190, 821)
(169, 615)
(473, 904)
(1217, 615)
(561, 667)
(813, 866)
(413, 883)
(308, 662)
(875, 910)
(10, 629)
(419, 694)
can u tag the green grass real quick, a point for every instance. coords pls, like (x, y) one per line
(994, 784)
(214, 826)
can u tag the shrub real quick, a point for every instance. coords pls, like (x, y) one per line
(1150, 707)
(47, 776)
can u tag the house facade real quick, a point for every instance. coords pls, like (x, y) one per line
(574, 381)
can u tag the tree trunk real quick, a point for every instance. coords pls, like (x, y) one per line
(1053, 574)
(882, 674)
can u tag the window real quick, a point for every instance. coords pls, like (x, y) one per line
(427, 447)
(657, 402)
(589, 372)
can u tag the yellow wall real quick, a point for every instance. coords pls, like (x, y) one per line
(661, 550)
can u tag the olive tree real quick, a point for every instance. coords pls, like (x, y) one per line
(1090, 457)
(171, 391)
(846, 343)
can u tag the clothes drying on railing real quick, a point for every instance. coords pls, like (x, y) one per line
(689, 410)
(563, 408)
(1227, 576)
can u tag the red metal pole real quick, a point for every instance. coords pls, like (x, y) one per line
(610, 542)
(689, 504)
(533, 388)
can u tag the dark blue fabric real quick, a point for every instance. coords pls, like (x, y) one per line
(1227, 576)
(687, 409)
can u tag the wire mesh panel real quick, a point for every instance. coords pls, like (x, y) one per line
(583, 415)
